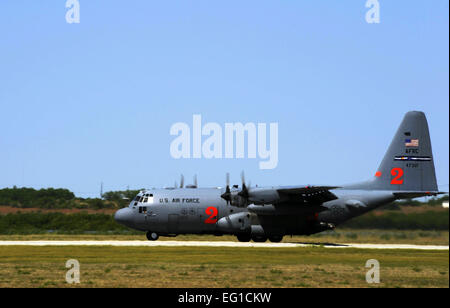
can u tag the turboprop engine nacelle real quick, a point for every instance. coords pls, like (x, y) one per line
(261, 196)
(239, 223)
(235, 223)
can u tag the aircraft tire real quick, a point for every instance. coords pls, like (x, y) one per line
(259, 239)
(152, 236)
(243, 238)
(276, 238)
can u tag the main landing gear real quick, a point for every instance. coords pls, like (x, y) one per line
(259, 239)
(152, 236)
(244, 237)
(276, 238)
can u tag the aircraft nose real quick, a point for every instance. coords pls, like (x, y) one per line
(124, 216)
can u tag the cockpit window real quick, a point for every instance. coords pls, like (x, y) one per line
(146, 198)
(136, 200)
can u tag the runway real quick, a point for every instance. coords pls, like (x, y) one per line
(216, 244)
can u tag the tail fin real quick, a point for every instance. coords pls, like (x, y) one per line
(408, 165)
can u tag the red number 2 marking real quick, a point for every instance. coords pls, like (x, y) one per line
(212, 211)
(397, 173)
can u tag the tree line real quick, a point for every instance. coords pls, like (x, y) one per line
(83, 223)
(60, 198)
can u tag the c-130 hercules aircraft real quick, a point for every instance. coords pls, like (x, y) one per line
(261, 213)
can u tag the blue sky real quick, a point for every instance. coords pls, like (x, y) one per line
(92, 102)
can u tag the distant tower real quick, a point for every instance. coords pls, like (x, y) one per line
(101, 190)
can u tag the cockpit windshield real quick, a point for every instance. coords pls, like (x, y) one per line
(138, 198)
(143, 198)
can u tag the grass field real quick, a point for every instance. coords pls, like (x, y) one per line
(28, 266)
(337, 236)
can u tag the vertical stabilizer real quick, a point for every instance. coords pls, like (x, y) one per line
(408, 164)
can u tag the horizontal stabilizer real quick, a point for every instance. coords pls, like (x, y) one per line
(416, 194)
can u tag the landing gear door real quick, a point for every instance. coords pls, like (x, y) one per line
(173, 223)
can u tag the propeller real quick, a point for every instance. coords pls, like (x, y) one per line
(195, 185)
(244, 192)
(182, 181)
(227, 194)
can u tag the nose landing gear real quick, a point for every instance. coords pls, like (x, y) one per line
(152, 236)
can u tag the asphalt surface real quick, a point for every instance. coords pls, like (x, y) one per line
(216, 244)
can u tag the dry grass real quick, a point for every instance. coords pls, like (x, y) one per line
(203, 267)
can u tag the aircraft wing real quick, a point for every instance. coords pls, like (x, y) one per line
(308, 194)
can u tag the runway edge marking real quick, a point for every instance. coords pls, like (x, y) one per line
(217, 244)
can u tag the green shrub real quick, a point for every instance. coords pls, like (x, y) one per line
(430, 220)
(29, 223)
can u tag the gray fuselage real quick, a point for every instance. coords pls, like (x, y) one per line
(201, 210)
